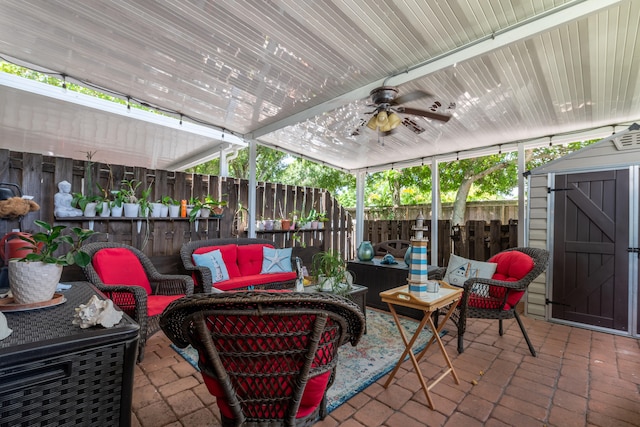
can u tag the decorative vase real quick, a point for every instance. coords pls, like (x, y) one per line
(33, 281)
(365, 251)
(407, 256)
(268, 225)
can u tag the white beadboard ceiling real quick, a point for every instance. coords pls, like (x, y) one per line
(296, 74)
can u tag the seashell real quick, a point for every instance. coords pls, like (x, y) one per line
(4, 327)
(97, 312)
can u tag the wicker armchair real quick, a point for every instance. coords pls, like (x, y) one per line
(497, 299)
(142, 306)
(268, 357)
(202, 275)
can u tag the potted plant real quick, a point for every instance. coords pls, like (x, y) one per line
(128, 190)
(193, 208)
(215, 206)
(117, 203)
(34, 278)
(144, 205)
(172, 205)
(330, 272)
(322, 218)
(87, 204)
(103, 201)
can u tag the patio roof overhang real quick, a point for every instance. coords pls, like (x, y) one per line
(296, 76)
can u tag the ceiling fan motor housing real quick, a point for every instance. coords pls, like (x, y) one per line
(384, 94)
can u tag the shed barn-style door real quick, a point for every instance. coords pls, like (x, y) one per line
(590, 249)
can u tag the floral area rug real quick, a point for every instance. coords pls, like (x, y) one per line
(358, 367)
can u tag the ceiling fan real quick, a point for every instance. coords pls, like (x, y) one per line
(388, 110)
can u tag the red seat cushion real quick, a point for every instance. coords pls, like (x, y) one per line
(157, 303)
(120, 266)
(511, 267)
(229, 256)
(256, 279)
(250, 258)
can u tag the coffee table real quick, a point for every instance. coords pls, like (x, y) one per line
(357, 294)
(429, 303)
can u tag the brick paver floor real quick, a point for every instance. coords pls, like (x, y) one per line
(580, 378)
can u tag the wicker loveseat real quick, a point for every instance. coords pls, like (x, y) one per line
(243, 259)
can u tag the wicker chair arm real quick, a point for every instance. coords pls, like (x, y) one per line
(520, 285)
(437, 273)
(171, 284)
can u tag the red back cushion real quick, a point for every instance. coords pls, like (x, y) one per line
(250, 258)
(119, 266)
(242, 338)
(229, 256)
(512, 266)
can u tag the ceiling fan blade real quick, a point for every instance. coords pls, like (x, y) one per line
(423, 113)
(411, 96)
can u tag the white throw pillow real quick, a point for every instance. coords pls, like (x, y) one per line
(460, 269)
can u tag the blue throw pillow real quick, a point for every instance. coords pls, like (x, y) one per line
(213, 260)
(276, 260)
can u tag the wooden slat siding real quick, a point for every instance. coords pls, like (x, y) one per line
(536, 293)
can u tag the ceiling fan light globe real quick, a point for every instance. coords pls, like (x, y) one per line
(394, 120)
(386, 128)
(373, 123)
(382, 118)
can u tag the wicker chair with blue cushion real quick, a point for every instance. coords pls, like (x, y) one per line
(268, 357)
(497, 297)
(127, 277)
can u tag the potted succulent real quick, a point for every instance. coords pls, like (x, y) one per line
(34, 278)
(330, 272)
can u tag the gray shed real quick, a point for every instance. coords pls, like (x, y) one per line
(584, 208)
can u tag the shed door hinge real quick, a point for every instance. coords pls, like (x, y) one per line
(547, 301)
(549, 189)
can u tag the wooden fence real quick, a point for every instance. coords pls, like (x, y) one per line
(161, 239)
(477, 240)
(38, 175)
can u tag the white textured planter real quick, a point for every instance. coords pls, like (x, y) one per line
(326, 283)
(131, 210)
(105, 210)
(116, 211)
(90, 210)
(156, 210)
(33, 281)
(205, 212)
(174, 211)
(164, 211)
